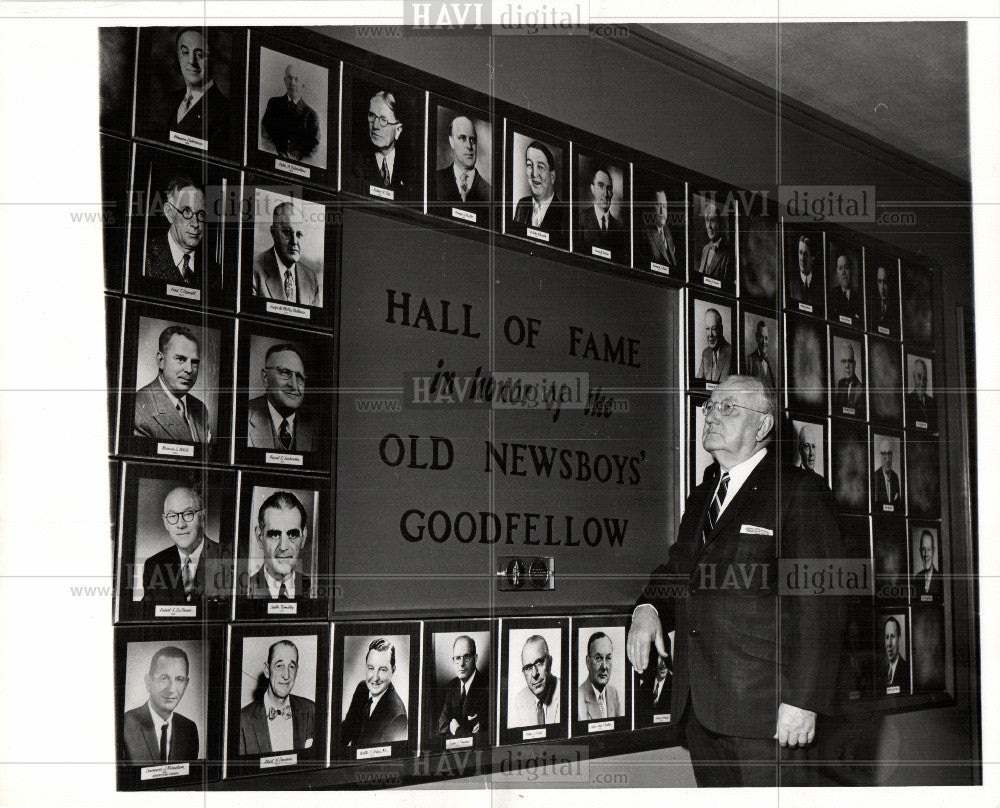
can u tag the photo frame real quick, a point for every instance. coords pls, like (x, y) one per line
(461, 151)
(601, 686)
(845, 303)
(659, 212)
(890, 556)
(921, 404)
(804, 259)
(899, 645)
(540, 638)
(927, 557)
(923, 476)
(712, 239)
(711, 330)
(848, 365)
(807, 439)
(806, 352)
(760, 259)
(888, 475)
(849, 465)
(602, 201)
(536, 185)
(885, 381)
(760, 345)
(928, 650)
(917, 293)
(882, 294)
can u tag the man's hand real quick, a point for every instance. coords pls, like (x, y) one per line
(645, 630)
(796, 727)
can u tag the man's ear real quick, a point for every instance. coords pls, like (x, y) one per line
(766, 425)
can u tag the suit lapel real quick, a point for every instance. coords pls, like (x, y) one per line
(149, 734)
(260, 727)
(758, 476)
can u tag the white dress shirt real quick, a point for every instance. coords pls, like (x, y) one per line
(279, 728)
(277, 418)
(387, 159)
(274, 585)
(539, 209)
(158, 723)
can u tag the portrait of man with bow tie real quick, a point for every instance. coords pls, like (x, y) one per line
(601, 220)
(277, 720)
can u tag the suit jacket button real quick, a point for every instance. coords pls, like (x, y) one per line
(694, 631)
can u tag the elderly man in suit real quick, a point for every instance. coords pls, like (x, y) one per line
(289, 123)
(275, 419)
(541, 209)
(657, 242)
(716, 256)
(282, 531)
(597, 698)
(279, 721)
(376, 714)
(199, 109)
(844, 300)
(739, 648)
(155, 732)
(807, 449)
(883, 313)
(165, 409)
(920, 407)
(716, 358)
(382, 162)
(885, 481)
(176, 257)
(653, 691)
(192, 567)
(927, 584)
(461, 182)
(849, 390)
(279, 273)
(538, 702)
(757, 362)
(598, 226)
(896, 672)
(804, 285)
(466, 697)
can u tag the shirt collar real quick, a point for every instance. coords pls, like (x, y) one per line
(542, 205)
(282, 265)
(177, 402)
(599, 693)
(738, 474)
(468, 682)
(277, 417)
(388, 157)
(197, 94)
(274, 585)
(177, 252)
(269, 700)
(159, 722)
(463, 172)
(598, 212)
(194, 555)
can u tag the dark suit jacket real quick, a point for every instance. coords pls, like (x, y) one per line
(385, 725)
(474, 711)
(161, 576)
(844, 399)
(813, 295)
(723, 369)
(142, 742)
(755, 367)
(739, 650)
(157, 418)
(555, 223)
(925, 411)
(260, 428)
(208, 119)
(364, 170)
(878, 485)
(653, 247)
(447, 188)
(887, 318)
(721, 263)
(294, 130)
(259, 591)
(645, 705)
(614, 238)
(901, 676)
(840, 305)
(267, 281)
(936, 590)
(254, 737)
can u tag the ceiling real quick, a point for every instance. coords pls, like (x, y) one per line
(905, 83)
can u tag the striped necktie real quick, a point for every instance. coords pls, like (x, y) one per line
(715, 509)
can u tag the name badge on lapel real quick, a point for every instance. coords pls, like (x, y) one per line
(753, 530)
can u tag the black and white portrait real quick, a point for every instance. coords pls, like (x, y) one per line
(760, 348)
(926, 581)
(844, 303)
(457, 694)
(804, 279)
(660, 206)
(809, 446)
(462, 178)
(711, 341)
(538, 187)
(601, 220)
(375, 698)
(806, 364)
(293, 99)
(847, 368)
(712, 228)
(887, 480)
(892, 667)
(534, 671)
(601, 667)
(921, 406)
(882, 294)
(654, 688)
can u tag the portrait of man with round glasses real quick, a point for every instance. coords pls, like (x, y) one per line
(382, 163)
(276, 419)
(173, 256)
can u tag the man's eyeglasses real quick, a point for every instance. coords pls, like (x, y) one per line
(188, 515)
(537, 666)
(188, 214)
(725, 407)
(381, 120)
(286, 374)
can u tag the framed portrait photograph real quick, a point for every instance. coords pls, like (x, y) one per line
(536, 185)
(292, 111)
(463, 174)
(175, 546)
(855, 531)
(855, 678)
(284, 548)
(278, 706)
(660, 217)
(760, 259)
(602, 196)
(459, 695)
(888, 480)
(169, 699)
(890, 558)
(921, 405)
(284, 406)
(376, 691)
(805, 279)
(928, 649)
(116, 62)
(601, 681)
(653, 689)
(711, 341)
(712, 239)
(191, 82)
(849, 465)
(917, 290)
(806, 361)
(291, 246)
(185, 218)
(892, 665)
(116, 190)
(699, 458)
(808, 442)
(174, 401)
(923, 476)
(382, 138)
(848, 367)
(845, 293)
(926, 564)
(885, 381)
(882, 294)
(534, 688)
(760, 345)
